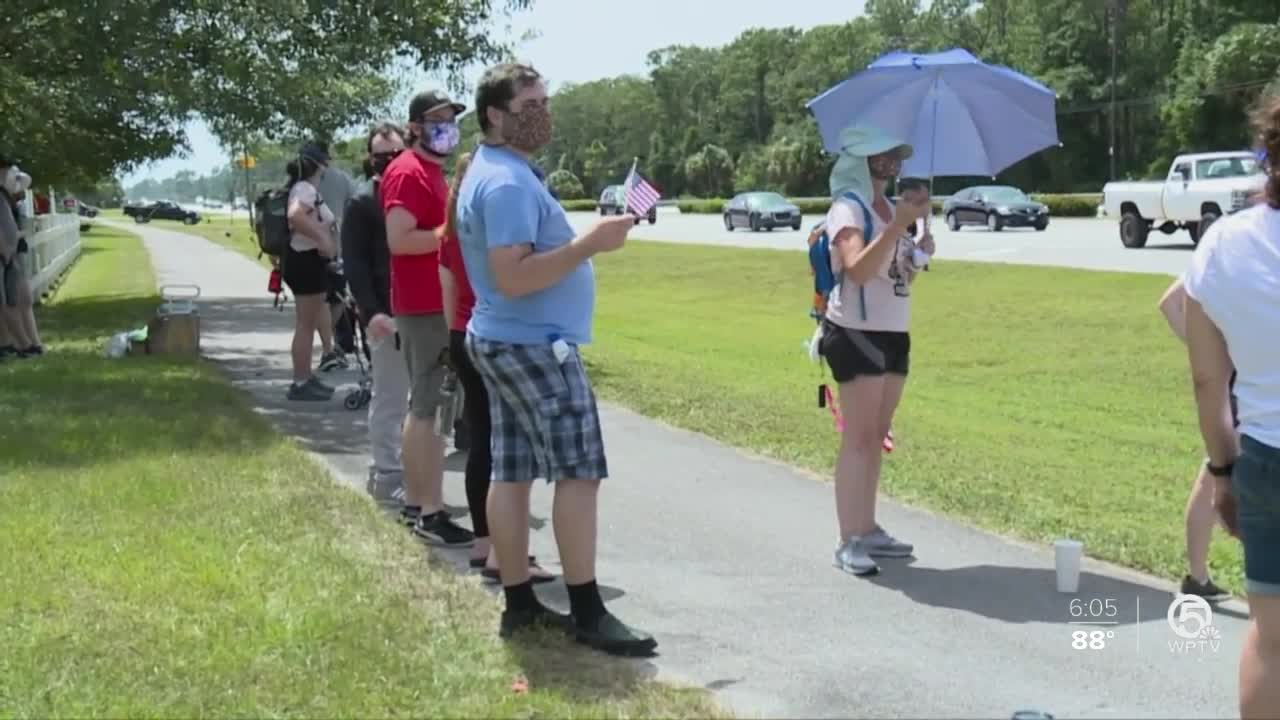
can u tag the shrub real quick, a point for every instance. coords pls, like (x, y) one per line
(578, 205)
(1070, 205)
(711, 206)
(566, 185)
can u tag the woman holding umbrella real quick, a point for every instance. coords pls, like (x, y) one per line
(866, 338)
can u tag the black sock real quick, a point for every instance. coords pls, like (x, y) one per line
(585, 602)
(520, 597)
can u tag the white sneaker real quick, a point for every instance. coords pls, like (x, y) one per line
(853, 558)
(881, 544)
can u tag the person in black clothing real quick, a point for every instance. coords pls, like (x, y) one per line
(366, 261)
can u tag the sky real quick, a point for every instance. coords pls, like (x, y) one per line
(577, 41)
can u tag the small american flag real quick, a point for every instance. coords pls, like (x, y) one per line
(641, 196)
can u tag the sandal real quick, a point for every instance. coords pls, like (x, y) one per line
(478, 563)
(492, 573)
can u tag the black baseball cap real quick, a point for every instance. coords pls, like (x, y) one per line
(428, 100)
(314, 151)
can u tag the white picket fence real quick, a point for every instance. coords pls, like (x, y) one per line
(54, 242)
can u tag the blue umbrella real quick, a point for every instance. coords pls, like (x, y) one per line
(961, 116)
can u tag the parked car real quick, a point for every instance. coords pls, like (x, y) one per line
(995, 206)
(1199, 189)
(760, 210)
(613, 201)
(88, 211)
(161, 210)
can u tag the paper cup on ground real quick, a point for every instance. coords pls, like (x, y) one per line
(1067, 555)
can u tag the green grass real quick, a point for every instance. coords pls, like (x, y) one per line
(168, 554)
(1042, 402)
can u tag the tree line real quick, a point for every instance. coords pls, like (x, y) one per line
(707, 122)
(710, 121)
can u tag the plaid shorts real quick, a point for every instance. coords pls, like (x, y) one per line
(544, 415)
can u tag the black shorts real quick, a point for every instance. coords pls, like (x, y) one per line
(306, 273)
(850, 353)
(1235, 405)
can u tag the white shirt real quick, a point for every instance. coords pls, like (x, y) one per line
(887, 295)
(307, 194)
(1235, 276)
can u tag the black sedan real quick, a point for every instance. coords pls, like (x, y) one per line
(760, 210)
(996, 206)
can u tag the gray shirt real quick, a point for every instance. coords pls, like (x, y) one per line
(8, 230)
(336, 188)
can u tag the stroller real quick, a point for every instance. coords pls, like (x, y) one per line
(348, 332)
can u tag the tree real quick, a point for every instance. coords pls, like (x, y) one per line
(95, 87)
(709, 172)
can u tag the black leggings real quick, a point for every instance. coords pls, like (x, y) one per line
(475, 411)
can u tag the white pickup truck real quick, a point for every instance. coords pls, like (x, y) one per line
(1200, 188)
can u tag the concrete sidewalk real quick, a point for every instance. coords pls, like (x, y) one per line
(726, 558)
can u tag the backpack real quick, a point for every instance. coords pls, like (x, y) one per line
(272, 222)
(825, 280)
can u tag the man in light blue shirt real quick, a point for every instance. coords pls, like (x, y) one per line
(535, 295)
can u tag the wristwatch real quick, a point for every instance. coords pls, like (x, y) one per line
(1221, 471)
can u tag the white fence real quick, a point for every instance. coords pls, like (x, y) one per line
(54, 242)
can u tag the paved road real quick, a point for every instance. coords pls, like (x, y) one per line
(726, 559)
(1088, 243)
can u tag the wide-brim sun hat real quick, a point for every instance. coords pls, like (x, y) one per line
(865, 139)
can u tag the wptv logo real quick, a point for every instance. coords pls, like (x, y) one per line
(1191, 619)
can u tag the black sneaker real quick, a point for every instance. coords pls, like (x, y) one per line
(439, 529)
(310, 391)
(540, 617)
(333, 360)
(33, 351)
(8, 351)
(1207, 590)
(610, 635)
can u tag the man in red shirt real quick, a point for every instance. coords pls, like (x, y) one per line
(414, 199)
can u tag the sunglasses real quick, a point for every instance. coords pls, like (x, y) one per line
(388, 156)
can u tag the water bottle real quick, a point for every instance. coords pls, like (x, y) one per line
(447, 410)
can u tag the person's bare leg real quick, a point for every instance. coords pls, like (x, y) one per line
(306, 310)
(508, 507)
(858, 463)
(413, 451)
(890, 397)
(324, 326)
(1200, 519)
(1260, 660)
(573, 517)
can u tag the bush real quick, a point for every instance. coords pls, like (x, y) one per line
(578, 205)
(1071, 205)
(712, 206)
(566, 185)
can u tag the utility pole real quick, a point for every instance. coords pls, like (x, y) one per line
(1114, 7)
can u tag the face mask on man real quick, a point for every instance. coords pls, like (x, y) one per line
(440, 138)
(528, 130)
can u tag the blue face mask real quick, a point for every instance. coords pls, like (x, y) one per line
(441, 138)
